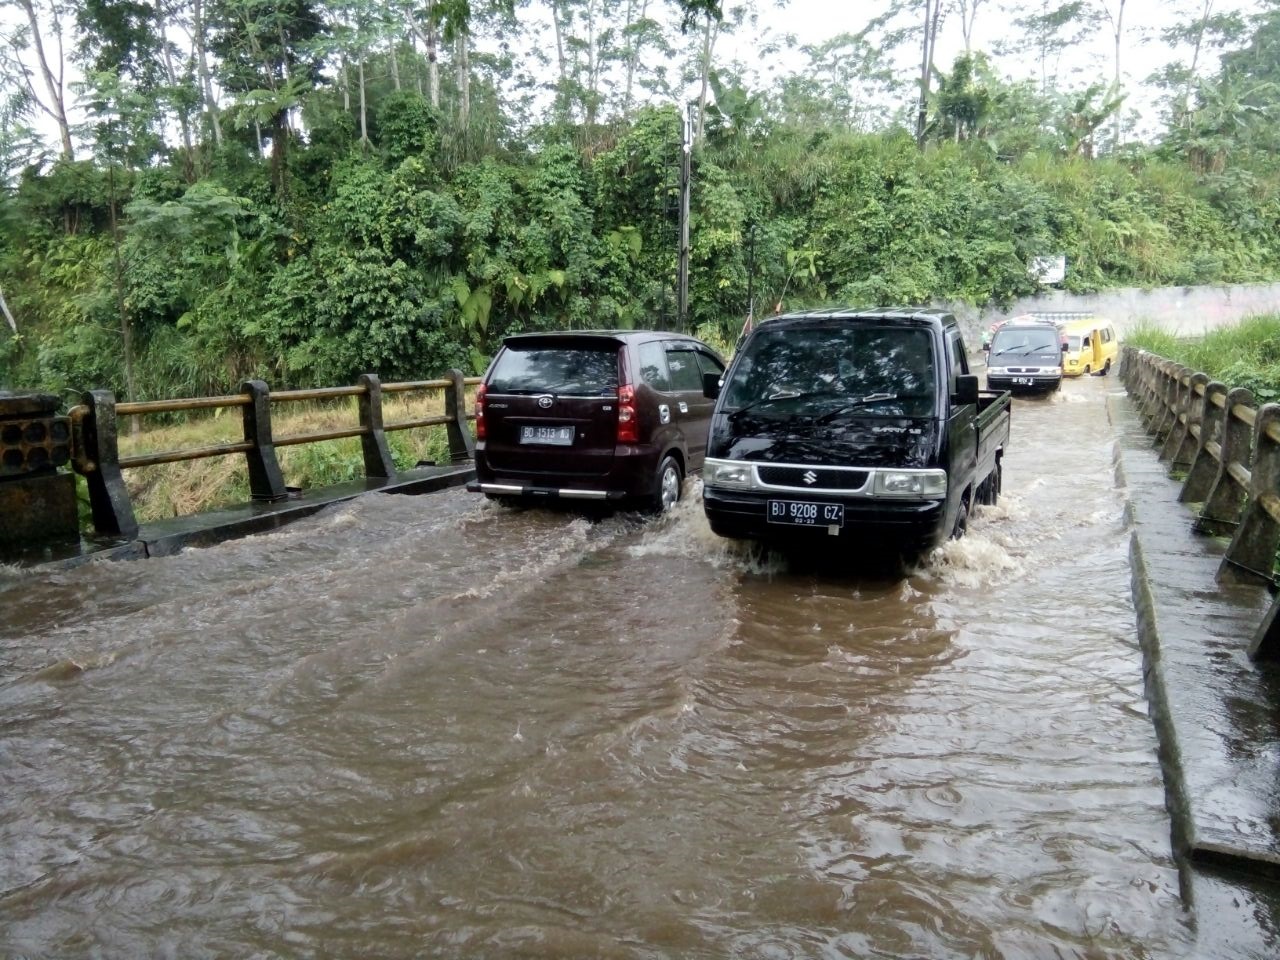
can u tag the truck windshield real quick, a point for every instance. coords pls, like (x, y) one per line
(829, 371)
(568, 371)
(1034, 340)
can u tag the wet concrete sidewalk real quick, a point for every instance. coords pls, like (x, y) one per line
(1217, 713)
(165, 537)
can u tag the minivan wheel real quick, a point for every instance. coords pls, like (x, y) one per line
(1105, 369)
(1087, 370)
(668, 483)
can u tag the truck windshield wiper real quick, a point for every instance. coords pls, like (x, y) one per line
(779, 395)
(859, 402)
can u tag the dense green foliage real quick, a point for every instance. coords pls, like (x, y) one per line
(391, 235)
(1247, 355)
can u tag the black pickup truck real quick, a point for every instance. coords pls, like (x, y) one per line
(865, 426)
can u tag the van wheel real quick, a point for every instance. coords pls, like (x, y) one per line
(1087, 369)
(1105, 369)
(667, 485)
(962, 519)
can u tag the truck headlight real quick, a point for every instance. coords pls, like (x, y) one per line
(727, 473)
(996, 371)
(924, 484)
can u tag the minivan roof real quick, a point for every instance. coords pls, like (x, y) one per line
(893, 314)
(618, 336)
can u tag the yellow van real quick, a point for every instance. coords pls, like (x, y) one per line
(1089, 345)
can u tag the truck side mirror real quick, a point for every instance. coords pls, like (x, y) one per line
(711, 385)
(966, 388)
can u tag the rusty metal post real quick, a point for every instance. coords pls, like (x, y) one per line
(1252, 553)
(377, 455)
(108, 495)
(266, 482)
(1204, 463)
(1221, 512)
(462, 445)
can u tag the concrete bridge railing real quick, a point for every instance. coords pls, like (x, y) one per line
(95, 452)
(1229, 448)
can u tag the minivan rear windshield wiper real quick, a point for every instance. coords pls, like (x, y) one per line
(780, 395)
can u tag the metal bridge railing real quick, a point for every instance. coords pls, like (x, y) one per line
(1230, 450)
(96, 453)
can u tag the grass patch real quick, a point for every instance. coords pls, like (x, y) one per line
(1246, 355)
(194, 486)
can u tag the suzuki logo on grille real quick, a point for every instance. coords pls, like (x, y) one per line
(809, 477)
(545, 402)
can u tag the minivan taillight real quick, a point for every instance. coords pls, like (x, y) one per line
(628, 428)
(480, 426)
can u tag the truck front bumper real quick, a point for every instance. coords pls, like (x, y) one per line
(870, 522)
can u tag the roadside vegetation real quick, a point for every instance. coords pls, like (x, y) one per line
(1247, 355)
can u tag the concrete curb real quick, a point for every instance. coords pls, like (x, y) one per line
(167, 537)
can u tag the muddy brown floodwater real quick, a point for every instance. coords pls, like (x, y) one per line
(432, 726)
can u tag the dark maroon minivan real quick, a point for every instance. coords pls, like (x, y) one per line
(594, 415)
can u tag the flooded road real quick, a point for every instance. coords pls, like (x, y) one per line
(438, 727)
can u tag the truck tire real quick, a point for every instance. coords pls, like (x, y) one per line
(962, 519)
(989, 489)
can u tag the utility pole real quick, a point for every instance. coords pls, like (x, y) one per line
(686, 175)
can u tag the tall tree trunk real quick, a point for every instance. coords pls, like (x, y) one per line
(433, 57)
(926, 59)
(344, 81)
(184, 119)
(593, 79)
(126, 333)
(709, 35)
(364, 116)
(562, 88)
(395, 67)
(633, 54)
(1184, 116)
(464, 81)
(202, 68)
(56, 108)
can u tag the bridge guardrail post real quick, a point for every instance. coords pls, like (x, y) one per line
(1182, 446)
(266, 482)
(1168, 399)
(1177, 411)
(1266, 641)
(1204, 465)
(1221, 511)
(378, 462)
(99, 464)
(1252, 552)
(462, 444)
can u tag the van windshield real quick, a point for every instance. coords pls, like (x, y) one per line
(1073, 344)
(1025, 340)
(834, 371)
(577, 371)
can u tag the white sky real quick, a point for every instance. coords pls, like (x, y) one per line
(1142, 53)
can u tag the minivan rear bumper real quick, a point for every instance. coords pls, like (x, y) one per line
(631, 473)
(533, 491)
(912, 524)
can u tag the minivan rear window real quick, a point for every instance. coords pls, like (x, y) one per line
(577, 371)
(859, 370)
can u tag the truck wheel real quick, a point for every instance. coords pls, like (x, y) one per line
(667, 485)
(1105, 369)
(1087, 370)
(962, 519)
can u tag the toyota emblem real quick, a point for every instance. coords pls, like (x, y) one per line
(809, 477)
(545, 402)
